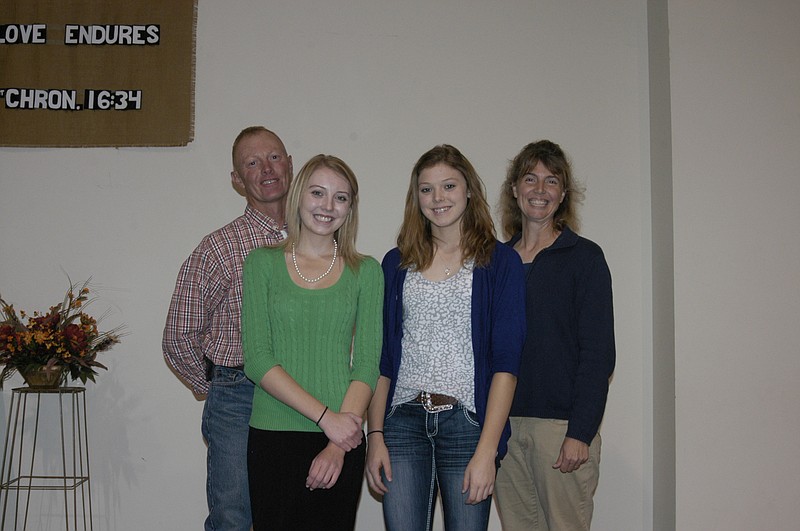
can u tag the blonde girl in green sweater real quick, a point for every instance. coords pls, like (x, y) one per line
(311, 335)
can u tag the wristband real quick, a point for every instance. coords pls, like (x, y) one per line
(320, 417)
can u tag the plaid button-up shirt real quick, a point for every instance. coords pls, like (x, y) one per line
(203, 322)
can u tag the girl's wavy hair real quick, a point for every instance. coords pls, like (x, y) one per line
(346, 234)
(415, 240)
(554, 159)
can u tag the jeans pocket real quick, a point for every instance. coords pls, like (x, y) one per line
(471, 417)
(392, 409)
(228, 377)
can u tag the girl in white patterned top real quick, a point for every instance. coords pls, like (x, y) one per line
(453, 331)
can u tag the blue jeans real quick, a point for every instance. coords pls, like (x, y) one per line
(429, 452)
(226, 424)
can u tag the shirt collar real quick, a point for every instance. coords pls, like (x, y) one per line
(567, 238)
(262, 220)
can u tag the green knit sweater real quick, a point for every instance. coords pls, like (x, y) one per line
(308, 332)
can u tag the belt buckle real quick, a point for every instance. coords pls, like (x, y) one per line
(427, 403)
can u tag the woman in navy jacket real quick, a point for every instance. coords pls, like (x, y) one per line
(550, 474)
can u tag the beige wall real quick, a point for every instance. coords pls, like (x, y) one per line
(736, 133)
(378, 83)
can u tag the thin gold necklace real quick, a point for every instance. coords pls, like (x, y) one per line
(323, 275)
(448, 270)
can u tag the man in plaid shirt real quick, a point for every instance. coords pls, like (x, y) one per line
(202, 339)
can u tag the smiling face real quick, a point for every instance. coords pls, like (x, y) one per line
(325, 202)
(442, 193)
(539, 193)
(264, 170)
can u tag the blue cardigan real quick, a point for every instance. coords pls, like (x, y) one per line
(498, 323)
(569, 352)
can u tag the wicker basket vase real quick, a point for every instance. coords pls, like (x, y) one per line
(44, 377)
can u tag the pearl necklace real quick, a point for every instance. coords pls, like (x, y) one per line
(323, 275)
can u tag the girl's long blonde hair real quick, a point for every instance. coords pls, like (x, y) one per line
(346, 234)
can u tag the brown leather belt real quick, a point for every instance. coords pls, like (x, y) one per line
(434, 403)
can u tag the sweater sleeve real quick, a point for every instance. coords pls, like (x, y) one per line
(369, 323)
(597, 350)
(256, 330)
(391, 324)
(508, 311)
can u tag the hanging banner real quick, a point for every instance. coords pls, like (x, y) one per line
(97, 73)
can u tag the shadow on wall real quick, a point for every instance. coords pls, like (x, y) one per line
(109, 454)
(106, 406)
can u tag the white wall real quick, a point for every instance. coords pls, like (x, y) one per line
(377, 83)
(736, 133)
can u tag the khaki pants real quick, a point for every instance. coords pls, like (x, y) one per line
(530, 494)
